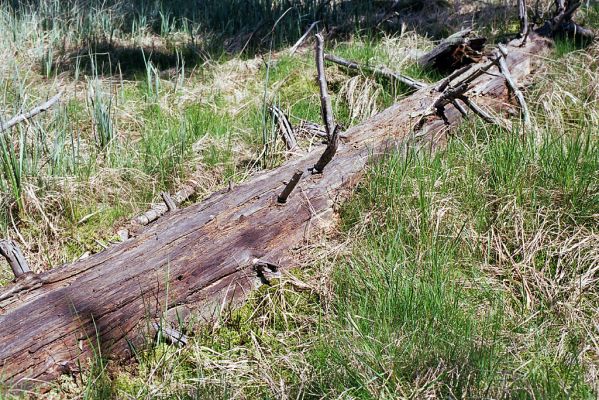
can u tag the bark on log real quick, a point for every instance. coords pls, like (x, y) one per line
(204, 255)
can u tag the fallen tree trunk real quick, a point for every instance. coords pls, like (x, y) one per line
(214, 253)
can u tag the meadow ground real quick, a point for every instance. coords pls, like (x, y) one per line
(470, 273)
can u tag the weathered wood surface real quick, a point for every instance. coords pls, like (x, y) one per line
(206, 253)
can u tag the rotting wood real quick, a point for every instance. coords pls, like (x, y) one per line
(15, 258)
(454, 52)
(30, 114)
(381, 71)
(204, 253)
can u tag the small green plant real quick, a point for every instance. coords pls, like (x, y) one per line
(152, 79)
(101, 107)
(12, 162)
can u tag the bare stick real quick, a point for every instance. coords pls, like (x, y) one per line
(14, 257)
(285, 127)
(290, 186)
(477, 110)
(385, 72)
(523, 16)
(329, 152)
(460, 108)
(325, 100)
(302, 39)
(445, 82)
(484, 115)
(168, 200)
(32, 113)
(503, 67)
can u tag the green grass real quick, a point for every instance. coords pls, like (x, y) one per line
(465, 274)
(417, 309)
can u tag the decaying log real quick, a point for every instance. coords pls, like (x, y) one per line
(454, 52)
(15, 258)
(30, 114)
(203, 256)
(382, 71)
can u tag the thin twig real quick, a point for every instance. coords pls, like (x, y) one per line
(302, 39)
(460, 108)
(385, 72)
(478, 111)
(325, 100)
(32, 113)
(287, 133)
(503, 67)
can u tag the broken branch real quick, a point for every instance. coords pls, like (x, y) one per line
(285, 128)
(325, 100)
(505, 70)
(384, 72)
(523, 16)
(14, 257)
(32, 113)
(329, 152)
(290, 186)
(168, 201)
